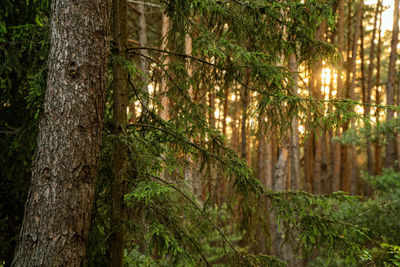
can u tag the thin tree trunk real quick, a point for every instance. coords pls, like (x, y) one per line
(142, 34)
(344, 180)
(391, 142)
(164, 112)
(316, 92)
(295, 182)
(57, 213)
(120, 97)
(378, 147)
(347, 169)
(245, 102)
(336, 160)
(367, 94)
(280, 174)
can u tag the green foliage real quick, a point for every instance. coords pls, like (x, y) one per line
(23, 55)
(378, 216)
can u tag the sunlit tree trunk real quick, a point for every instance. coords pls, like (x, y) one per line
(245, 103)
(308, 161)
(336, 160)
(353, 166)
(344, 179)
(316, 92)
(295, 182)
(378, 147)
(281, 170)
(164, 112)
(57, 213)
(349, 165)
(391, 142)
(367, 94)
(142, 34)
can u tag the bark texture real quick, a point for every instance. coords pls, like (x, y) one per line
(57, 212)
(120, 98)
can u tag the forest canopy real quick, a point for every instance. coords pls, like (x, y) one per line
(199, 133)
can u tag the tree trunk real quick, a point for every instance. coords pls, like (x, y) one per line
(348, 164)
(57, 213)
(280, 175)
(339, 91)
(164, 112)
(295, 183)
(119, 120)
(367, 93)
(316, 92)
(142, 34)
(391, 142)
(378, 147)
(245, 102)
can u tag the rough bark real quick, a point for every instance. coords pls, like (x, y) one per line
(57, 213)
(119, 120)
(391, 142)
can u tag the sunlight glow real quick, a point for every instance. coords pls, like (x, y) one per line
(387, 15)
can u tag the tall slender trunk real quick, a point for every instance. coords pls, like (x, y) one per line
(378, 147)
(142, 34)
(367, 94)
(349, 164)
(316, 92)
(391, 142)
(120, 97)
(262, 168)
(164, 112)
(245, 102)
(57, 213)
(353, 170)
(222, 179)
(295, 182)
(336, 160)
(280, 174)
(308, 161)
(344, 180)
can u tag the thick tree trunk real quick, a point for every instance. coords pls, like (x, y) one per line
(120, 97)
(391, 142)
(57, 212)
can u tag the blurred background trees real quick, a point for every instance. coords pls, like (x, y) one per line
(239, 115)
